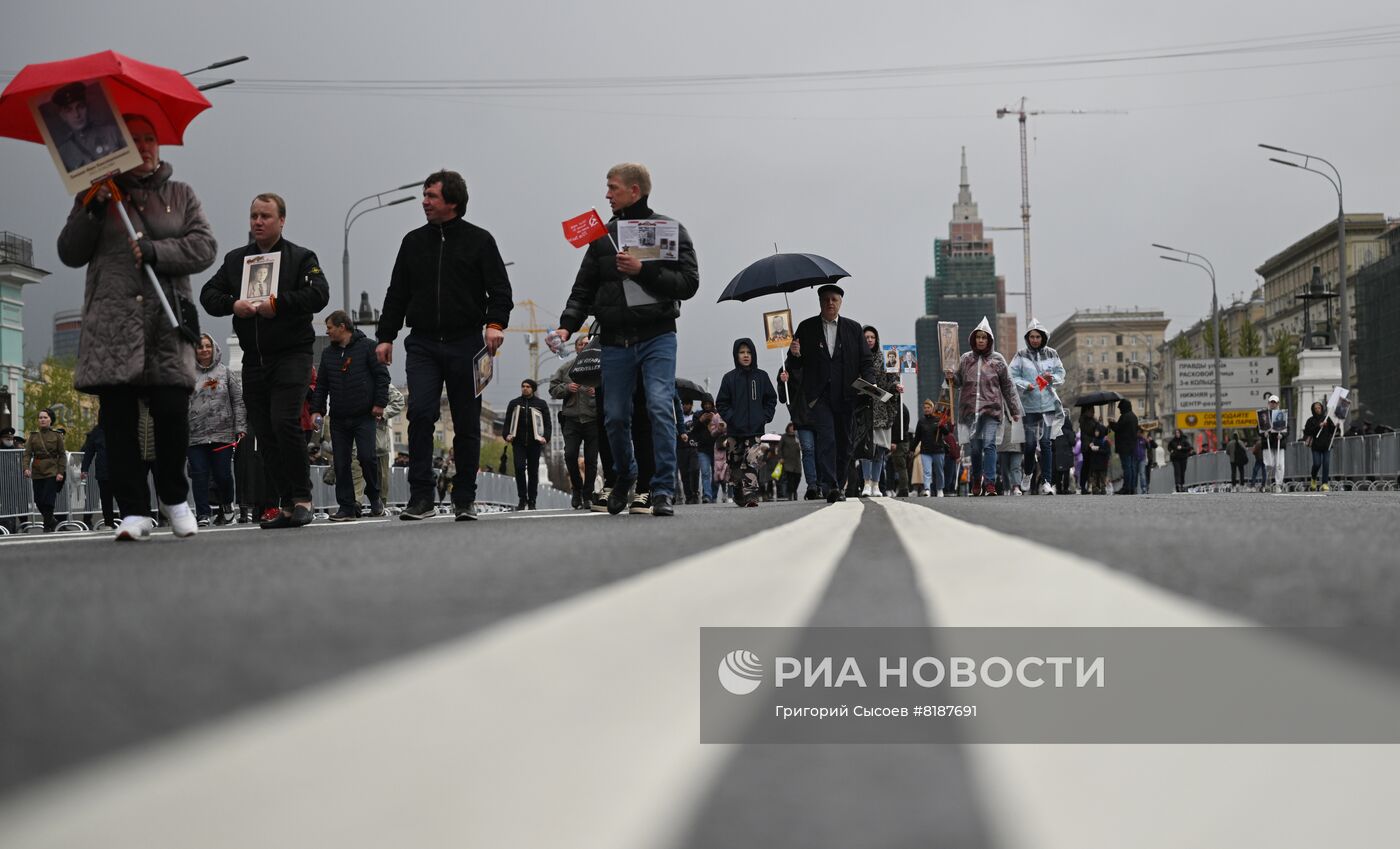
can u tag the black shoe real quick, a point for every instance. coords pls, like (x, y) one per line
(661, 506)
(833, 495)
(619, 497)
(812, 494)
(599, 503)
(299, 517)
(416, 510)
(576, 500)
(343, 516)
(521, 505)
(376, 508)
(530, 505)
(465, 512)
(640, 504)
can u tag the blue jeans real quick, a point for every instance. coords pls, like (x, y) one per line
(655, 359)
(432, 365)
(807, 438)
(1038, 434)
(1321, 460)
(983, 448)
(933, 471)
(1130, 468)
(707, 475)
(873, 468)
(359, 431)
(205, 462)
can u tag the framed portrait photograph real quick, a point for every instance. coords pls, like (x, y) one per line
(483, 369)
(260, 277)
(948, 349)
(84, 133)
(777, 328)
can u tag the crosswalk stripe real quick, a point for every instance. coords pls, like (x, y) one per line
(574, 725)
(1145, 796)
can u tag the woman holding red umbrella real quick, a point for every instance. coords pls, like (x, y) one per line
(130, 352)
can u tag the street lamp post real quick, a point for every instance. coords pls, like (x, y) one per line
(1151, 404)
(1344, 332)
(380, 203)
(1189, 258)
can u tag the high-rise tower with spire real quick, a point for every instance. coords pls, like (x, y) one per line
(964, 287)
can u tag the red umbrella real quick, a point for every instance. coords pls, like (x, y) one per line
(162, 95)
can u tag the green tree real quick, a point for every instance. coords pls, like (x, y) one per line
(55, 389)
(1251, 345)
(1224, 341)
(1181, 348)
(1285, 347)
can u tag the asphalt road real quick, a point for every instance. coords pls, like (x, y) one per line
(110, 651)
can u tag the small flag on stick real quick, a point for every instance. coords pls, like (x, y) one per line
(585, 229)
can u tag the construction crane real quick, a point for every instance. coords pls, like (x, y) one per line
(532, 336)
(1021, 114)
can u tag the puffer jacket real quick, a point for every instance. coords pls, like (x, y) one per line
(746, 399)
(1030, 364)
(984, 382)
(353, 377)
(217, 415)
(656, 292)
(45, 455)
(127, 340)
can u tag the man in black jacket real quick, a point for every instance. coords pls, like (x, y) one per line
(637, 304)
(527, 430)
(358, 386)
(276, 336)
(448, 283)
(830, 352)
(1125, 437)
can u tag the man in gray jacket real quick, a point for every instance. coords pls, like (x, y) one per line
(578, 420)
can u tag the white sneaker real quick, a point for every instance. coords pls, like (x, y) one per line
(940, 493)
(1015, 490)
(865, 490)
(182, 521)
(134, 528)
(1046, 488)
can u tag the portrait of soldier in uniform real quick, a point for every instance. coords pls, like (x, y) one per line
(79, 132)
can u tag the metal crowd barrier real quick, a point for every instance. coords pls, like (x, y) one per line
(81, 499)
(1357, 463)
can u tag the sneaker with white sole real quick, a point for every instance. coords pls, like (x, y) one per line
(134, 528)
(641, 504)
(182, 521)
(1046, 488)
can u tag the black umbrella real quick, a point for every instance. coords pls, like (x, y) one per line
(690, 392)
(1094, 399)
(782, 273)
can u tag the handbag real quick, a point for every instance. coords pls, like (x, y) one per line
(587, 369)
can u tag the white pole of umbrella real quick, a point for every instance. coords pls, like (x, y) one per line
(150, 272)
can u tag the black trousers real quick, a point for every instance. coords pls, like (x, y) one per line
(104, 494)
(433, 365)
(581, 435)
(1179, 467)
(273, 392)
(833, 424)
(359, 431)
(527, 468)
(641, 443)
(120, 416)
(45, 497)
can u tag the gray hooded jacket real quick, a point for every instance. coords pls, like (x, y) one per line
(217, 415)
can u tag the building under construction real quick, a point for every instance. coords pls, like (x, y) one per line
(964, 288)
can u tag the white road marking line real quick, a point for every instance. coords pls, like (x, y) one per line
(574, 725)
(1111, 796)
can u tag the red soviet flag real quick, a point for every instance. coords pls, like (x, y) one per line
(585, 229)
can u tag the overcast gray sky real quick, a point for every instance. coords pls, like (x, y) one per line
(863, 170)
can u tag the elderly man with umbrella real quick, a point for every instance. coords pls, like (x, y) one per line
(830, 352)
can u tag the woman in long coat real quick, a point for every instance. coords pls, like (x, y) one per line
(129, 350)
